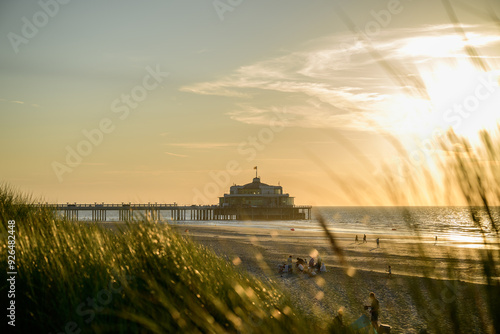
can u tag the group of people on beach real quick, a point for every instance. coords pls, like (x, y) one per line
(310, 267)
(356, 240)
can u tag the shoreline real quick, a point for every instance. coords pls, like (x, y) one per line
(402, 253)
(459, 240)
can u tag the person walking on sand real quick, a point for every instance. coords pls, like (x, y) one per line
(374, 310)
(389, 272)
(378, 242)
(364, 238)
(356, 240)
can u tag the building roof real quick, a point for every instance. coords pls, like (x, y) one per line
(255, 184)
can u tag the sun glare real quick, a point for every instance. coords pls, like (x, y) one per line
(464, 98)
(435, 46)
(461, 97)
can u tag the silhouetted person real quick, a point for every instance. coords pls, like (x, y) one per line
(319, 262)
(378, 242)
(374, 310)
(364, 238)
(338, 323)
(356, 240)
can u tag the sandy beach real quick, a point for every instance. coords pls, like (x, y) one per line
(453, 269)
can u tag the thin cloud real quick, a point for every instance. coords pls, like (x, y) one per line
(176, 155)
(155, 172)
(337, 82)
(34, 105)
(203, 145)
(94, 163)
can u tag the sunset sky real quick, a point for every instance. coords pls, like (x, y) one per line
(174, 101)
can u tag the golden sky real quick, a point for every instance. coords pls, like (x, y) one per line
(174, 101)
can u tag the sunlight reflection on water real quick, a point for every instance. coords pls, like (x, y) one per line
(453, 224)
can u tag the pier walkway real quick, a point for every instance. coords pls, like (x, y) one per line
(157, 212)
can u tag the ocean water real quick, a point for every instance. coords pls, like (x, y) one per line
(448, 223)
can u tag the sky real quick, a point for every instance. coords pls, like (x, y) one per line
(175, 101)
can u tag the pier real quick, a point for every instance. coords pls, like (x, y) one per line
(174, 212)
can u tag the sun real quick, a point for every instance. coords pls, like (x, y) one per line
(460, 97)
(464, 98)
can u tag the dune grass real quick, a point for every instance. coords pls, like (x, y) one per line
(469, 172)
(143, 277)
(459, 171)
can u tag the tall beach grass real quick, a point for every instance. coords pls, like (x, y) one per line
(141, 277)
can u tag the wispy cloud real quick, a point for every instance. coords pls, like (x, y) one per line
(94, 163)
(203, 145)
(34, 105)
(155, 172)
(176, 155)
(337, 82)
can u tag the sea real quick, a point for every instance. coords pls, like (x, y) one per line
(451, 224)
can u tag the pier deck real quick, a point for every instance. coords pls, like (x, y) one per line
(155, 212)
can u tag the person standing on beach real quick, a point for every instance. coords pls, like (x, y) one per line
(374, 310)
(356, 240)
(389, 272)
(378, 242)
(436, 240)
(364, 238)
(289, 262)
